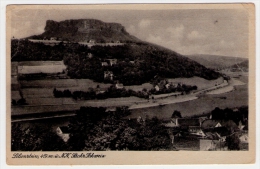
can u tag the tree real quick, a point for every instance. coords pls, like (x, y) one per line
(13, 102)
(176, 114)
(21, 101)
(35, 138)
(233, 142)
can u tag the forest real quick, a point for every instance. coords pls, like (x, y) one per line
(95, 129)
(137, 63)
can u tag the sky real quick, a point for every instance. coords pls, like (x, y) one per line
(186, 31)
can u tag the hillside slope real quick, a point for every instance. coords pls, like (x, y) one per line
(137, 62)
(216, 61)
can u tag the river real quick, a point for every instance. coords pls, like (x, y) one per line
(204, 104)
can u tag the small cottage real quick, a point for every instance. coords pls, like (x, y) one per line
(63, 133)
(112, 61)
(119, 86)
(104, 64)
(108, 75)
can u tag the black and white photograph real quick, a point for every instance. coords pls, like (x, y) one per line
(97, 79)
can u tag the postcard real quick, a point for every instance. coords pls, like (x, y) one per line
(130, 84)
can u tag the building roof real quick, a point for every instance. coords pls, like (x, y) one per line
(188, 122)
(229, 124)
(222, 131)
(170, 125)
(104, 63)
(209, 123)
(212, 135)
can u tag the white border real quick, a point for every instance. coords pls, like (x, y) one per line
(4, 3)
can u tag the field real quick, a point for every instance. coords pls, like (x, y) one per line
(39, 96)
(14, 68)
(199, 82)
(49, 101)
(222, 90)
(147, 86)
(49, 83)
(15, 95)
(29, 67)
(22, 110)
(205, 104)
(38, 93)
(84, 85)
(40, 63)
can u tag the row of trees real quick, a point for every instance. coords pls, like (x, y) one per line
(111, 92)
(240, 114)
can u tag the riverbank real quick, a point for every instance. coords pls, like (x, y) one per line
(68, 104)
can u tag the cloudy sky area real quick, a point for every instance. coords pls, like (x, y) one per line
(206, 31)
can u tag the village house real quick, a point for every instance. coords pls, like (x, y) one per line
(196, 130)
(207, 124)
(119, 86)
(90, 55)
(108, 75)
(244, 137)
(217, 133)
(112, 61)
(36, 67)
(63, 133)
(92, 41)
(100, 90)
(167, 86)
(157, 88)
(240, 125)
(53, 38)
(192, 123)
(104, 64)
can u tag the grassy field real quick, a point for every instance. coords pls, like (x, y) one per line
(199, 82)
(205, 104)
(38, 92)
(15, 95)
(40, 63)
(49, 101)
(14, 68)
(49, 83)
(147, 86)
(84, 85)
(43, 96)
(21, 110)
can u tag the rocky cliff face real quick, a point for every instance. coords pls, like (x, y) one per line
(86, 30)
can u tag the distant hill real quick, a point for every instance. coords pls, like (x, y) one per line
(242, 66)
(84, 30)
(216, 61)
